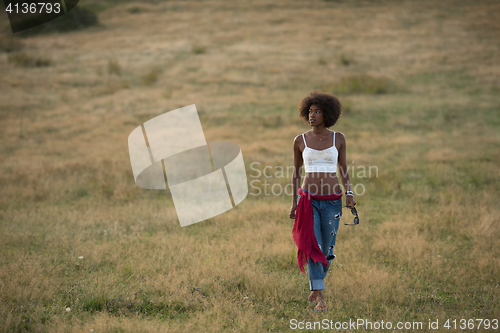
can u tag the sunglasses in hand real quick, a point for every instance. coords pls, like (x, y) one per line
(356, 219)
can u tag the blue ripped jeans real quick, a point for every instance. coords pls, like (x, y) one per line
(327, 215)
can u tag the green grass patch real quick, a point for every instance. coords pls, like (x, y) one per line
(150, 77)
(346, 60)
(9, 44)
(198, 49)
(23, 59)
(135, 10)
(363, 84)
(114, 67)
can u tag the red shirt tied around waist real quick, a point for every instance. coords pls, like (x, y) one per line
(303, 228)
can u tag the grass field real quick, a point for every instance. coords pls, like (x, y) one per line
(420, 85)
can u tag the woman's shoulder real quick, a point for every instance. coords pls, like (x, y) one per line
(300, 137)
(339, 136)
(298, 141)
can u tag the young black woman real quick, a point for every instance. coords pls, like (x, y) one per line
(317, 204)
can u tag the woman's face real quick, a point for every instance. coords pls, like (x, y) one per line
(315, 116)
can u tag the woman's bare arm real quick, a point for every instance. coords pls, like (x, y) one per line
(296, 177)
(344, 172)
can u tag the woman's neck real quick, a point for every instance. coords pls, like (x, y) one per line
(319, 130)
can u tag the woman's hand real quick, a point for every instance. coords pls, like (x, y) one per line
(349, 202)
(292, 211)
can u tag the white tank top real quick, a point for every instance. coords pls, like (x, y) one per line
(320, 160)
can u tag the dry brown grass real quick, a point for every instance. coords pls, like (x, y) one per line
(427, 246)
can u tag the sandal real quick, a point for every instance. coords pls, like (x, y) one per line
(320, 307)
(311, 297)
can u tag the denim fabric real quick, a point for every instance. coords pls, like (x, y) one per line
(327, 215)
